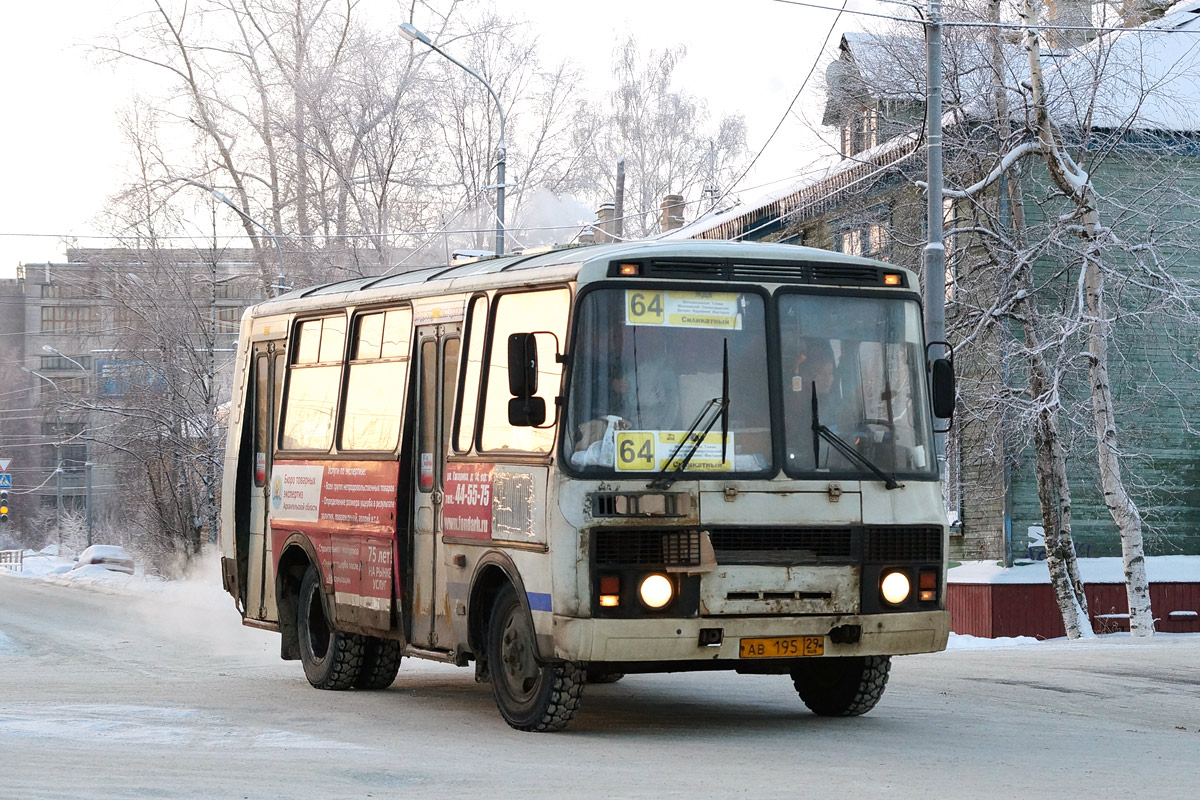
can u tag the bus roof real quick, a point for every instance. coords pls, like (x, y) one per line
(560, 264)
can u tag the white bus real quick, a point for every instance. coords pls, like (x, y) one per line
(573, 465)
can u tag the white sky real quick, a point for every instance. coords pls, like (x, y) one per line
(64, 155)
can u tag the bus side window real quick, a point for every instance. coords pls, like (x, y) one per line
(522, 312)
(464, 432)
(372, 415)
(313, 381)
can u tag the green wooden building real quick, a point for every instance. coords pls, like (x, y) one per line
(1128, 106)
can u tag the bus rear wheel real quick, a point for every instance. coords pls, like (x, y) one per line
(531, 696)
(381, 664)
(841, 687)
(332, 659)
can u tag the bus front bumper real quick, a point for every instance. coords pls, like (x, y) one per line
(680, 640)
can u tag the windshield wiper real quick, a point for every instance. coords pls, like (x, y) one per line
(844, 447)
(718, 408)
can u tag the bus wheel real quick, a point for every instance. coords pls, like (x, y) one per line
(601, 675)
(332, 659)
(381, 663)
(841, 687)
(531, 696)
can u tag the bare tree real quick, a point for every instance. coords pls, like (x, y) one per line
(662, 134)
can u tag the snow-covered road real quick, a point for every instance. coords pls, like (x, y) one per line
(163, 694)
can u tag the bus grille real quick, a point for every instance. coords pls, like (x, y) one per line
(782, 546)
(873, 544)
(902, 543)
(818, 272)
(647, 548)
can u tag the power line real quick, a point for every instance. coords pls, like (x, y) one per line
(782, 119)
(1140, 30)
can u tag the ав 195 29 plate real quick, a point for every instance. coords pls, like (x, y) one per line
(781, 647)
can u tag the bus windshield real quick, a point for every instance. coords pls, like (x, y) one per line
(648, 363)
(858, 363)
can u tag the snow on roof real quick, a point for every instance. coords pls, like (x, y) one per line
(794, 197)
(1151, 82)
(1146, 78)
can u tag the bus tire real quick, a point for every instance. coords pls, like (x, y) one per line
(531, 696)
(601, 675)
(841, 687)
(381, 663)
(332, 659)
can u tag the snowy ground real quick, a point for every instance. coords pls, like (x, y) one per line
(144, 688)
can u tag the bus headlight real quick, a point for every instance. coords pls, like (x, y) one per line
(895, 587)
(656, 590)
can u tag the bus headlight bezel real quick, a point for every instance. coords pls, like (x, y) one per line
(656, 591)
(895, 587)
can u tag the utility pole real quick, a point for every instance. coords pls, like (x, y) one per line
(88, 467)
(619, 222)
(58, 489)
(935, 247)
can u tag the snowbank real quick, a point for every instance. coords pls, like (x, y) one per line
(47, 565)
(1159, 569)
(962, 641)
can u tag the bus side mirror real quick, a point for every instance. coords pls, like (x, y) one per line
(943, 388)
(524, 409)
(522, 365)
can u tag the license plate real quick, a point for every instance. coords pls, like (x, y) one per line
(782, 647)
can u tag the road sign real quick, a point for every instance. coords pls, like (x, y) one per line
(4, 462)
(5, 480)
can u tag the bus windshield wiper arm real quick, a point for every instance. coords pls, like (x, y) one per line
(845, 448)
(718, 407)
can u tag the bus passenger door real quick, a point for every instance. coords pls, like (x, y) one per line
(437, 370)
(267, 377)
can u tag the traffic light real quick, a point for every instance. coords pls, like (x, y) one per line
(3, 506)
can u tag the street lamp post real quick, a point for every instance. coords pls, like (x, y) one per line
(87, 463)
(279, 288)
(57, 454)
(410, 32)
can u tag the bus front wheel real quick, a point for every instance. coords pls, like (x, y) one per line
(332, 659)
(531, 696)
(841, 687)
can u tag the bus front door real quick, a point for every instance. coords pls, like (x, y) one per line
(437, 372)
(267, 375)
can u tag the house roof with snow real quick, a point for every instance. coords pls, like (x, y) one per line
(1152, 82)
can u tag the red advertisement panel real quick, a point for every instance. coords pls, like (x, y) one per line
(348, 511)
(467, 509)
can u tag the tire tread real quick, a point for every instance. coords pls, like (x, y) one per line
(381, 664)
(850, 692)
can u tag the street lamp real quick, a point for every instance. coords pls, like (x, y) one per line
(410, 32)
(61, 354)
(221, 196)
